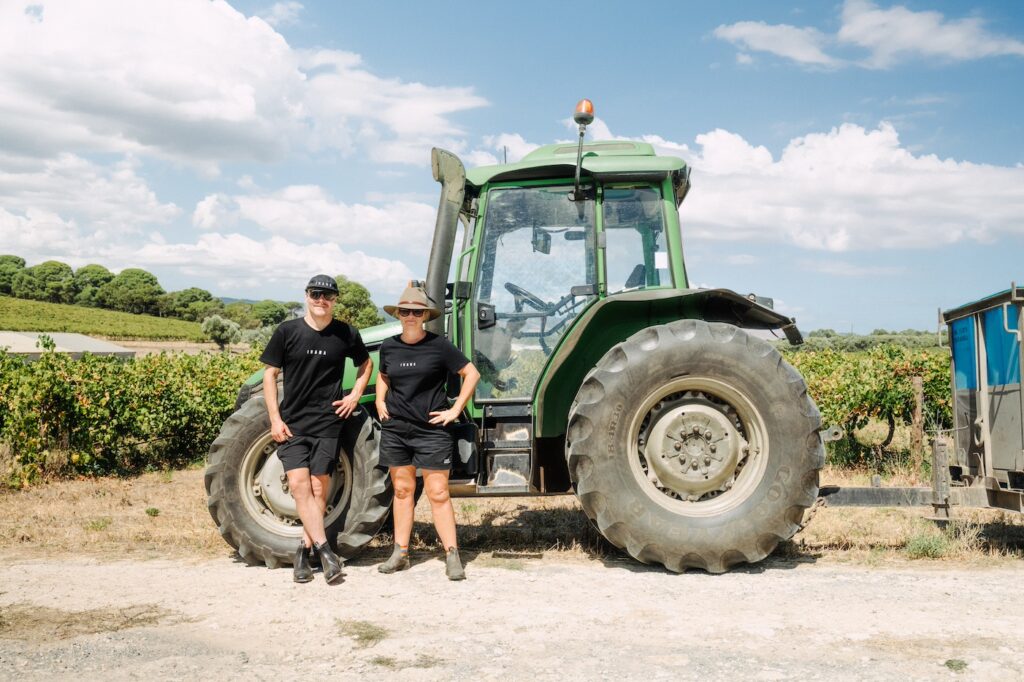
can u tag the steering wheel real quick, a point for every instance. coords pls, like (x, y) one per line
(524, 296)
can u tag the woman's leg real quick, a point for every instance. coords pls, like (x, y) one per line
(403, 479)
(435, 485)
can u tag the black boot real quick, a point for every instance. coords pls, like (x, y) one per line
(301, 571)
(331, 563)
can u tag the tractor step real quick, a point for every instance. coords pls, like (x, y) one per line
(507, 447)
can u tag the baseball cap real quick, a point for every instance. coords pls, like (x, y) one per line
(324, 283)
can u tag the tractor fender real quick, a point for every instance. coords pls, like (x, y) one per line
(613, 319)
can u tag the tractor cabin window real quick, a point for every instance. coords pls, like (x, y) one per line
(634, 227)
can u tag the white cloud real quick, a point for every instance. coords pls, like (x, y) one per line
(888, 35)
(198, 82)
(227, 263)
(111, 199)
(309, 212)
(895, 32)
(847, 189)
(802, 45)
(831, 266)
(282, 13)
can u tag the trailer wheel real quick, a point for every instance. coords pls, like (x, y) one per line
(695, 445)
(249, 501)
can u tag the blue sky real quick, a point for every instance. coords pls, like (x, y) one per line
(861, 162)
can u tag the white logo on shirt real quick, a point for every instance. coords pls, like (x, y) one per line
(312, 351)
(407, 364)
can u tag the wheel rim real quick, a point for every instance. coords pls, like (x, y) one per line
(698, 446)
(263, 489)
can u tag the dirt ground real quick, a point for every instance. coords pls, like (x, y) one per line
(96, 585)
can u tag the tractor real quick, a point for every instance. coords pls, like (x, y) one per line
(687, 438)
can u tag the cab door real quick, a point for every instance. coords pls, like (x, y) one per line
(536, 274)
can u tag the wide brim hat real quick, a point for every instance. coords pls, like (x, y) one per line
(413, 298)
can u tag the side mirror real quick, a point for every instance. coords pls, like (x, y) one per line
(541, 240)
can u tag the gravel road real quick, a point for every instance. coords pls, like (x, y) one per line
(514, 618)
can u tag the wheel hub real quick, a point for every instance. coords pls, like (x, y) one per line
(272, 488)
(693, 448)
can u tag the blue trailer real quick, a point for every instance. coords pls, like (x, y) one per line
(986, 465)
(988, 409)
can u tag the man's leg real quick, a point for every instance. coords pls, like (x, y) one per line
(310, 512)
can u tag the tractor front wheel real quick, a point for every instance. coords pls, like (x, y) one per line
(248, 498)
(695, 445)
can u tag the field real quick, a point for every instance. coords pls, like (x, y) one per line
(36, 316)
(116, 578)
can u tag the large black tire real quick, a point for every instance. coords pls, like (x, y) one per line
(695, 445)
(258, 525)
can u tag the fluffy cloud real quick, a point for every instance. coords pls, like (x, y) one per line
(847, 189)
(888, 35)
(113, 199)
(803, 45)
(228, 263)
(310, 213)
(850, 188)
(199, 82)
(282, 13)
(896, 32)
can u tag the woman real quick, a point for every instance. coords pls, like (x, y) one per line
(413, 407)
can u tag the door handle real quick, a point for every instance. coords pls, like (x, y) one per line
(485, 317)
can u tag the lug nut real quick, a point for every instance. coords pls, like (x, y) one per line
(707, 435)
(713, 447)
(707, 460)
(693, 464)
(678, 446)
(696, 429)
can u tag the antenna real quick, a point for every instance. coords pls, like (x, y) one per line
(504, 151)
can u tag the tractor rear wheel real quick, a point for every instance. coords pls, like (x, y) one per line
(248, 497)
(695, 445)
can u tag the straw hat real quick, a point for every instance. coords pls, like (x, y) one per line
(413, 298)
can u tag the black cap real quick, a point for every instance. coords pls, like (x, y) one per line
(324, 283)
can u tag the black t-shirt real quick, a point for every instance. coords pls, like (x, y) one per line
(417, 373)
(313, 363)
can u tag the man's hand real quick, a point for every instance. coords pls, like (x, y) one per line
(382, 411)
(279, 431)
(444, 417)
(345, 406)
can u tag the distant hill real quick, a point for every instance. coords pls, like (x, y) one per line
(227, 300)
(19, 315)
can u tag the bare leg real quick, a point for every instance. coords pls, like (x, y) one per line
(403, 479)
(310, 512)
(435, 485)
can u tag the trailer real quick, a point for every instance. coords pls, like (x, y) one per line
(983, 465)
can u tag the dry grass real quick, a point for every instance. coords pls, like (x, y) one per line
(114, 518)
(34, 623)
(109, 517)
(362, 632)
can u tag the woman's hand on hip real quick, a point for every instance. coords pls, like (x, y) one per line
(444, 417)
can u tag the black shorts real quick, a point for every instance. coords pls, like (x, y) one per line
(317, 454)
(419, 444)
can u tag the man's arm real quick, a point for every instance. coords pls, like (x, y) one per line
(279, 431)
(346, 405)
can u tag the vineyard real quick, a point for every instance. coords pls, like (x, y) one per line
(37, 316)
(61, 417)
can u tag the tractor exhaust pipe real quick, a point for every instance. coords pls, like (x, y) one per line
(450, 172)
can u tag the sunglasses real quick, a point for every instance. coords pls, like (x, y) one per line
(405, 312)
(316, 295)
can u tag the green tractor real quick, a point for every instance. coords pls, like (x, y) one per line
(689, 441)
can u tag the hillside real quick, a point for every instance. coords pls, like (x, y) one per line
(35, 316)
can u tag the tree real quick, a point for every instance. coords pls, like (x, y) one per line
(221, 331)
(354, 304)
(190, 304)
(269, 312)
(9, 267)
(132, 290)
(241, 312)
(48, 281)
(89, 279)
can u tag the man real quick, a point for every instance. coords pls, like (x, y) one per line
(311, 351)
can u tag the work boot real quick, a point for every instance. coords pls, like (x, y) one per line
(399, 561)
(301, 570)
(331, 562)
(453, 565)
